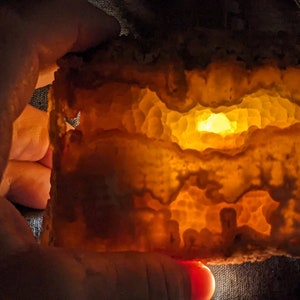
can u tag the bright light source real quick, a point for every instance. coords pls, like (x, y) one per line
(217, 123)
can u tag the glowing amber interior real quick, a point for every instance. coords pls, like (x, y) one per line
(200, 127)
(215, 177)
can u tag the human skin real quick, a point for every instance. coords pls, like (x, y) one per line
(33, 35)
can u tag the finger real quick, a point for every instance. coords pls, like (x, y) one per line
(132, 275)
(26, 183)
(30, 139)
(18, 75)
(47, 159)
(33, 35)
(88, 34)
(202, 280)
(14, 230)
(75, 274)
(46, 76)
(65, 26)
(80, 275)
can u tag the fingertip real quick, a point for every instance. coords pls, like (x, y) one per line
(201, 278)
(96, 27)
(29, 183)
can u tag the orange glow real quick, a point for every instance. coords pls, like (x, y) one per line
(215, 174)
(202, 280)
(200, 128)
(217, 123)
(192, 209)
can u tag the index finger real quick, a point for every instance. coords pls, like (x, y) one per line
(33, 35)
(56, 27)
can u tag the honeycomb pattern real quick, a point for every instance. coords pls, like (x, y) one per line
(216, 175)
(150, 116)
(143, 194)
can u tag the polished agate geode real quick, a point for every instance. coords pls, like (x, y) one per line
(188, 146)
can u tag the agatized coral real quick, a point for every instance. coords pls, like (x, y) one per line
(198, 163)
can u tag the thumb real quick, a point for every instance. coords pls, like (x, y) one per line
(135, 275)
(52, 273)
(56, 273)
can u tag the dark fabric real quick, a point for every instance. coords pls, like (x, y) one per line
(272, 279)
(34, 217)
(111, 9)
(40, 101)
(39, 98)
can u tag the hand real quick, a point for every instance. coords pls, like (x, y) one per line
(34, 34)
(26, 179)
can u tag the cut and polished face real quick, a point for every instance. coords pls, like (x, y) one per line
(196, 162)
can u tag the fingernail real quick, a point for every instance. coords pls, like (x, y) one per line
(202, 280)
